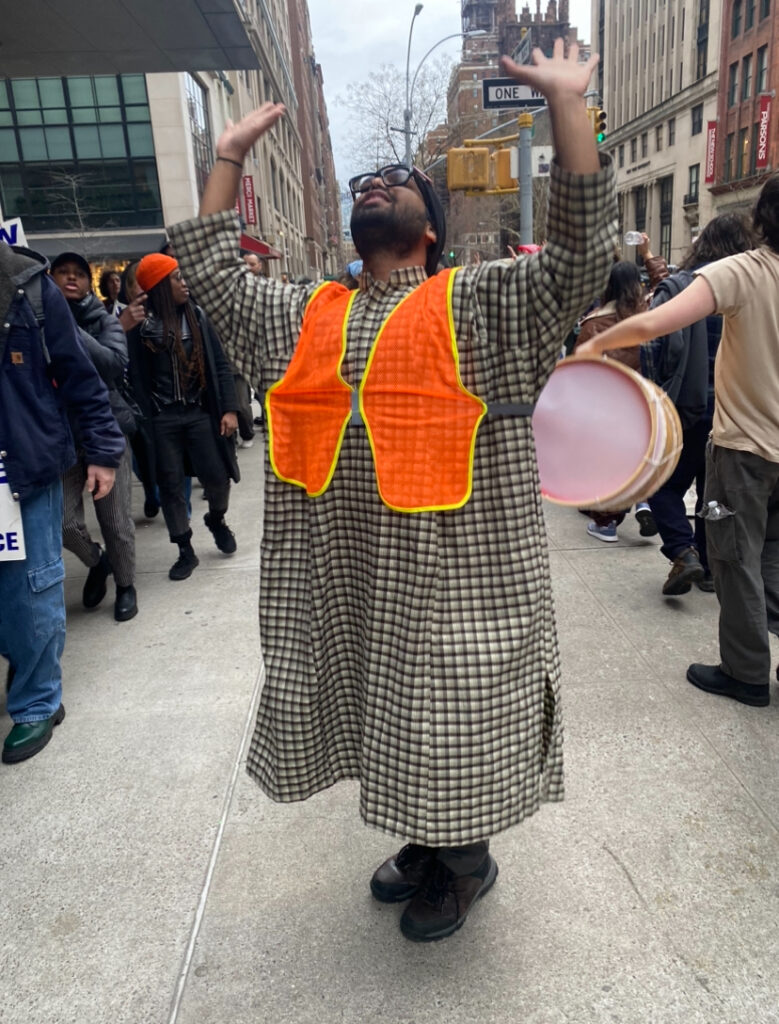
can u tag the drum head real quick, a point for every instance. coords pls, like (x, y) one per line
(593, 429)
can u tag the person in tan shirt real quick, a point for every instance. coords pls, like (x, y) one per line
(742, 469)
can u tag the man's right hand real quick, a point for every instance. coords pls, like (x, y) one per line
(237, 139)
(100, 480)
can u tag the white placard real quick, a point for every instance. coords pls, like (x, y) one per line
(12, 232)
(11, 530)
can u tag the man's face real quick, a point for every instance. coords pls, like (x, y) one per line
(252, 261)
(390, 219)
(72, 281)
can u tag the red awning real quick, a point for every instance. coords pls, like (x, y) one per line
(261, 248)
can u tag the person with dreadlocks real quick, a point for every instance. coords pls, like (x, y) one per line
(184, 385)
(406, 607)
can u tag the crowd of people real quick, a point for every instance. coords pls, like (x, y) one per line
(406, 607)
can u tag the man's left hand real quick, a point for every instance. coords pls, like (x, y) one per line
(100, 480)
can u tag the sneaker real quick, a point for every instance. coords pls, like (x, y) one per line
(607, 533)
(224, 538)
(246, 442)
(647, 526)
(445, 900)
(685, 570)
(712, 679)
(400, 877)
(184, 566)
(95, 585)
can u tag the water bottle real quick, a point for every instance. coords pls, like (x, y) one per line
(715, 510)
(633, 238)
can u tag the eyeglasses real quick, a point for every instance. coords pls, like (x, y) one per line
(391, 176)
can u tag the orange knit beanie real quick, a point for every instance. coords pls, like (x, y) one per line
(153, 268)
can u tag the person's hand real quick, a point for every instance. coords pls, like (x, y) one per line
(228, 424)
(588, 348)
(133, 314)
(643, 247)
(100, 480)
(554, 76)
(237, 139)
(512, 252)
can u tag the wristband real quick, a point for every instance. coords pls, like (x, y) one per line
(227, 160)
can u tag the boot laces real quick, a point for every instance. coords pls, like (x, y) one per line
(438, 885)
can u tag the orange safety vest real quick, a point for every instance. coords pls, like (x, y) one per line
(421, 419)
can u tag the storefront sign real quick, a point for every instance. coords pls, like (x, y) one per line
(711, 151)
(762, 133)
(248, 199)
(12, 232)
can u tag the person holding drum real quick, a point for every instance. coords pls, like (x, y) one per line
(741, 496)
(406, 610)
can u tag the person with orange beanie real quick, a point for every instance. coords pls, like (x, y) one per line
(184, 386)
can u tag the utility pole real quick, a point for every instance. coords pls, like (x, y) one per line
(525, 180)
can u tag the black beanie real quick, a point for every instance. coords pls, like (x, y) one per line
(437, 218)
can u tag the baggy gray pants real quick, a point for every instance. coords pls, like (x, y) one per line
(743, 554)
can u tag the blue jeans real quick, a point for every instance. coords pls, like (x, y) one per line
(32, 610)
(667, 504)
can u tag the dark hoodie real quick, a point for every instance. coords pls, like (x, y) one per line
(37, 384)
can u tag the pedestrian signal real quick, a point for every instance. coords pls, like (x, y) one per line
(468, 167)
(502, 176)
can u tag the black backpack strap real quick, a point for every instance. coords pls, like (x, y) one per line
(33, 291)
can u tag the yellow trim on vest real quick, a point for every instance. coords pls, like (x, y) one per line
(273, 387)
(465, 391)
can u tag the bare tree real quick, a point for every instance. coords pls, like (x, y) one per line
(71, 194)
(378, 105)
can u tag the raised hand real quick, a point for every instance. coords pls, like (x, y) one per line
(556, 75)
(237, 139)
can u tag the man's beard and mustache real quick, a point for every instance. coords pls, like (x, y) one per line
(386, 228)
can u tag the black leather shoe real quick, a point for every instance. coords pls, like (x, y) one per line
(712, 679)
(223, 535)
(26, 739)
(706, 584)
(150, 508)
(445, 900)
(685, 571)
(95, 586)
(126, 604)
(184, 566)
(401, 876)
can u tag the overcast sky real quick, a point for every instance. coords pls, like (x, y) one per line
(351, 39)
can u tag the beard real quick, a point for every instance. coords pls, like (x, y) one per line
(385, 228)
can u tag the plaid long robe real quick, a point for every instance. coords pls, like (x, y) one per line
(416, 652)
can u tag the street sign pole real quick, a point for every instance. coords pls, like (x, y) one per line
(525, 180)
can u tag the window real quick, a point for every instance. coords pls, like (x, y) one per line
(735, 25)
(732, 84)
(697, 120)
(644, 144)
(671, 131)
(762, 69)
(666, 216)
(742, 152)
(746, 77)
(622, 156)
(659, 138)
(633, 150)
(750, 15)
(700, 58)
(728, 168)
(694, 183)
(640, 218)
(765, 8)
(200, 129)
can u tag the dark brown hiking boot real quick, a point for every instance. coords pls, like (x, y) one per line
(685, 571)
(444, 901)
(401, 876)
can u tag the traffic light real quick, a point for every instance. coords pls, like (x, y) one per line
(597, 118)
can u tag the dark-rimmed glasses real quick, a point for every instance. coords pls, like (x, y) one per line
(392, 175)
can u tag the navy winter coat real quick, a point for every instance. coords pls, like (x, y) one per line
(35, 439)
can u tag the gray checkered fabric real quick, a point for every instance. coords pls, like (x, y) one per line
(416, 652)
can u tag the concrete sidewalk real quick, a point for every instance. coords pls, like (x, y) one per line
(146, 879)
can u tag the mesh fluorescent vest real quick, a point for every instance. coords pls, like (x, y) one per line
(421, 420)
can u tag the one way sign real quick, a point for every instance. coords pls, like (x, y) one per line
(508, 92)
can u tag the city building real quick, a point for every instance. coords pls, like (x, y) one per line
(658, 80)
(101, 162)
(743, 141)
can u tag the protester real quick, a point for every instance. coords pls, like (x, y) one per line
(185, 389)
(103, 338)
(742, 464)
(44, 368)
(109, 286)
(682, 363)
(408, 632)
(623, 297)
(254, 263)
